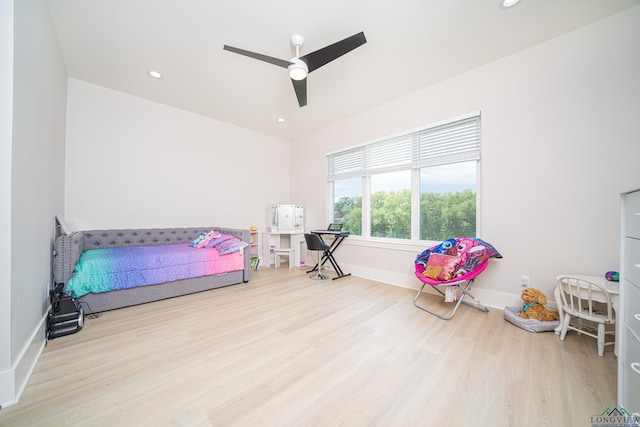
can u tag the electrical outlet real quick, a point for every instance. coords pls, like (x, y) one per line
(524, 281)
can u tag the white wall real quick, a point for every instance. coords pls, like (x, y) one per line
(7, 393)
(134, 163)
(560, 141)
(34, 175)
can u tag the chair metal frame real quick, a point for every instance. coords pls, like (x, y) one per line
(463, 283)
(578, 297)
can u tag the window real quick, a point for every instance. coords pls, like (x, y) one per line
(391, 205)
(448, 201)
(418, 186)
(347, 205)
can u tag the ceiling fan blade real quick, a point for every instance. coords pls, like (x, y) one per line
(317, 59)
(261, 57)
(300, 86)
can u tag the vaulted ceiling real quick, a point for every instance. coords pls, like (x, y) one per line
(411, 44)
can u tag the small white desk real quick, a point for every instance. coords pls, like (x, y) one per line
(614, 291)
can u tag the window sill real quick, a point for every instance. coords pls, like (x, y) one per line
(394, 245)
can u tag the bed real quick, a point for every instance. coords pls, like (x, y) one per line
(73, 250)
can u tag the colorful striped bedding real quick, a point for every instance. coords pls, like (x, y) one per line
(103, 270)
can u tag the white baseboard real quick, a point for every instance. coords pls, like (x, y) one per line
(7, 388)
(494, 299)
(13, 381)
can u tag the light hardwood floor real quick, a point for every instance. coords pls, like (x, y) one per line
(284, 350)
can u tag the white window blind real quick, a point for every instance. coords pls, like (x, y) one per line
(347, 164)
(391, 154)
(451, 143)
(448, 143)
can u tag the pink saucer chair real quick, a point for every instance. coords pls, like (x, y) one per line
(453, 264)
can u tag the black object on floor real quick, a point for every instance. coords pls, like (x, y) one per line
(66, 315)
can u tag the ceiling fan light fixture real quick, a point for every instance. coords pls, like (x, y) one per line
(298, 70)
(297, 73)
(505, 4)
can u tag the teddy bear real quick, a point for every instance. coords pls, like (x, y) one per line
(533, 308)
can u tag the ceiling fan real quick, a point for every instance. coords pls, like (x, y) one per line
(300, 66)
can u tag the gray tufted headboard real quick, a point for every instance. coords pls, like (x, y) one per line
(69, 247)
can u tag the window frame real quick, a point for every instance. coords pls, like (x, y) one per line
(415, 164)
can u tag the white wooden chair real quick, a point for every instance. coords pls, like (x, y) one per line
(579, 301)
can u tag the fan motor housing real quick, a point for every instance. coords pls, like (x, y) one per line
(297, 40)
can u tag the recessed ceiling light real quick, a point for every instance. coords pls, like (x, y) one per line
(155, 74)
(280, 120)
(505, 4)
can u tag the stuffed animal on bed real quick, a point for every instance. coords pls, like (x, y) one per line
(533, 308)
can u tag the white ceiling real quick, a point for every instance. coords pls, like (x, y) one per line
(411, 44)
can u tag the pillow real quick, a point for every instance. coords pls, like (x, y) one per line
(200, 238)
(207, 238)
(231, 245)
(215, 242)
(441, 267)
